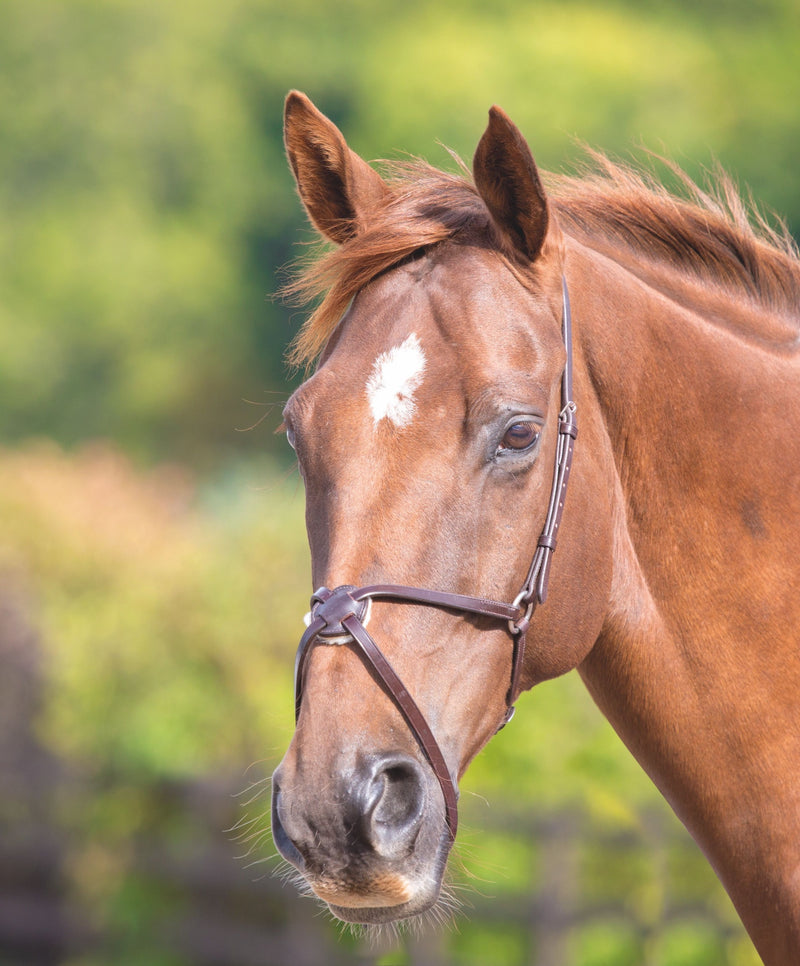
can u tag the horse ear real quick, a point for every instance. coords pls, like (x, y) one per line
(508, 181)
(336, 186)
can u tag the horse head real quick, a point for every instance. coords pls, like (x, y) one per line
(426, 439)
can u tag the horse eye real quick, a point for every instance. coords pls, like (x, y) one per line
(520, 436)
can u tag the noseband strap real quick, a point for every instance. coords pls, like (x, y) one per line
(340, 616)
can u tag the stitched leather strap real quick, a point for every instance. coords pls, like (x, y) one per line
(413, 716)
(438, 598)
(539, 572)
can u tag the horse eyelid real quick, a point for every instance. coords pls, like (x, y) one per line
(286, 428)
(535, 421)
(509, 452)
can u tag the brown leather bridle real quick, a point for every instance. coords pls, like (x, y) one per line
(340, 616)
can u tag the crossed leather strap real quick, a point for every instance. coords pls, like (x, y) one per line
(340, 616)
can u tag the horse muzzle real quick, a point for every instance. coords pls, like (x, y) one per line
(372, 842)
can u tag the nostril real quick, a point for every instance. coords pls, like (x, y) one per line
(401, 800)
(396, 803)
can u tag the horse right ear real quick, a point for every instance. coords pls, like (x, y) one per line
(508, 182)
(337, 188)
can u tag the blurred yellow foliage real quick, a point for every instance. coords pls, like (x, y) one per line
(165, 648)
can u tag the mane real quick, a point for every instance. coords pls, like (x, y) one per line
(710, 233)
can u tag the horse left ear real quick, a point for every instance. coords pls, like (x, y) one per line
(337, 187)
(508, 181)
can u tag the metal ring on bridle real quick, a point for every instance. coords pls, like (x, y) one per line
(522, 597)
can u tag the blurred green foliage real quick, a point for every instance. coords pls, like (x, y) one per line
(167, 623)
(145, 205)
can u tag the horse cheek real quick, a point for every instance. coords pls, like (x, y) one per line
(567, 626)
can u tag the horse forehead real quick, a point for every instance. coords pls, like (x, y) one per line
(444, 312)
(383, 390)
(423, 340)
(387, 352)
(393, 381)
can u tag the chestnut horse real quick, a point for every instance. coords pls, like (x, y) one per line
(434, 439)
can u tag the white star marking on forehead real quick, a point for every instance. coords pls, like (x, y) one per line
(396, 375)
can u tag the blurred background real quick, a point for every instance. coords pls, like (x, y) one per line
(153, 565)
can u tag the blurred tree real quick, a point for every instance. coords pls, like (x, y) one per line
(145, 205)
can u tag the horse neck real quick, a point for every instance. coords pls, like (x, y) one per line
(697, 665)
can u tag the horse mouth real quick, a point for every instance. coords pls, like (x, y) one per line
(386, 892)
(373, 913)
(384, 896)
(359, 895)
